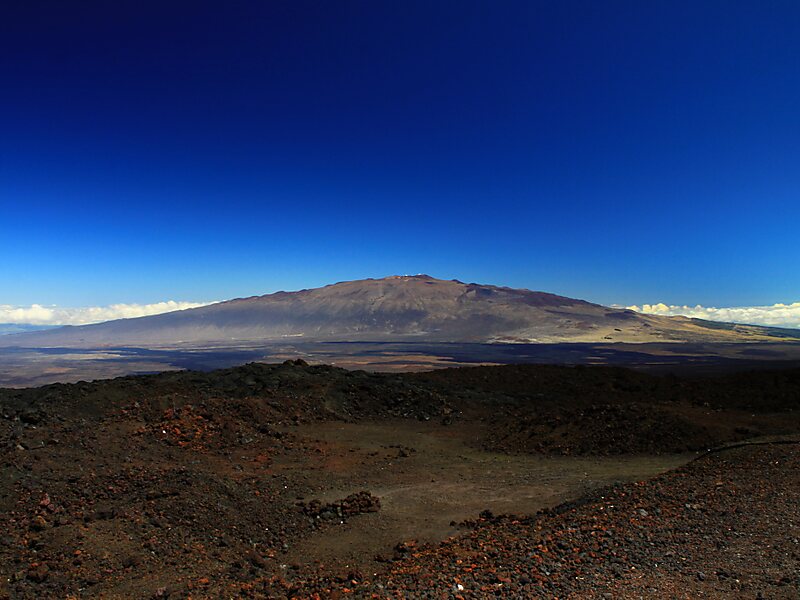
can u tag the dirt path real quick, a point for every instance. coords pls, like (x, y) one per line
(724, 526)
(428, 477)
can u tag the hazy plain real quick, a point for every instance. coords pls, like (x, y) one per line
(26, 367)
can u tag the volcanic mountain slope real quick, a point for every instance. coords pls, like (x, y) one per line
(414, 308)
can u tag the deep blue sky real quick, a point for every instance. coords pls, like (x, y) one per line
(615, 151)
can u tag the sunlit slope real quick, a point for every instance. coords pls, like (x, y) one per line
(414, 308)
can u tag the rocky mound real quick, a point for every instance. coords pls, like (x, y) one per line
(610, 410)
(525, 408)
(355, 504)
(603, 429)
(759, 391)
(253, 395)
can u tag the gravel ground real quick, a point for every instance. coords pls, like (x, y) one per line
(201, 485)
(726, 525)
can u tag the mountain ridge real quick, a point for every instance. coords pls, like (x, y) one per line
(395, 308)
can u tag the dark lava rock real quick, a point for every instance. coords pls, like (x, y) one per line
(355, 504)
(38, 574)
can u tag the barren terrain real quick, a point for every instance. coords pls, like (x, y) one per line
(27, 367)
(311, 481)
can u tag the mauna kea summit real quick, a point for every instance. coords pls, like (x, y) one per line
(416, 308)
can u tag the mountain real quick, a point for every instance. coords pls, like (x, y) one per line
(6, 328)
(398, 308)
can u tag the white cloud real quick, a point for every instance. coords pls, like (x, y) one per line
(36, 314)
(776, 315)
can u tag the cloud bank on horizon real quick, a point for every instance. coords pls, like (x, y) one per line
(775, 315)
(36, 314)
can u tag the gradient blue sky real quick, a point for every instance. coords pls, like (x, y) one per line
(622, 152)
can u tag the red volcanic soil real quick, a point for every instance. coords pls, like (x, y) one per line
(296, 481)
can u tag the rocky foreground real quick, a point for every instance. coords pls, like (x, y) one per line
(198, 485)
(725, 526)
